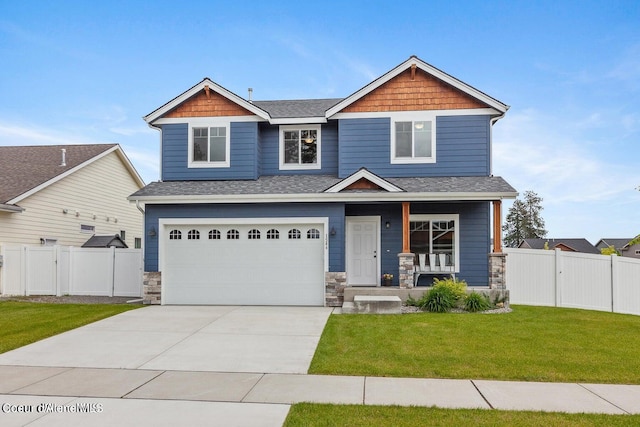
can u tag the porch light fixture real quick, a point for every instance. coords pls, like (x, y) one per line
(152, 232)
(333, 231)
(387, 224)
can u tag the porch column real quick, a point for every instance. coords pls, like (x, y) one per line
(405, 259)
(497, 226)
(405, 228)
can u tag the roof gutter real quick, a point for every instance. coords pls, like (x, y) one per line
(10, 208)
(327, 197)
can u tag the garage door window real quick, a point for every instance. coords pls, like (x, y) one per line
(294, 233)
(175, 235)
(214, 235)
(313, 233)
(193, 235)
(254, 234)
(233, 235)
(273, 234)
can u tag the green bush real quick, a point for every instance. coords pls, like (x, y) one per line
(438, 300)
(458, 288)
(476, 302)
(412, 302)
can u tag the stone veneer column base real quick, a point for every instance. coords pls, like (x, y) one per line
(405, 270)
(498, 271)
(151, 287)
(334, 282)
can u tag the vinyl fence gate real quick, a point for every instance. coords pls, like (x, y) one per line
(68, 270)
(571, 279)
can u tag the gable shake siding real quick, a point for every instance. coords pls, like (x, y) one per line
(462, 148)
(243, 153)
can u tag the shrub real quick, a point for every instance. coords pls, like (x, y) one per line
(476, 302)
(458, 288)
(438, 300)
(411, 301)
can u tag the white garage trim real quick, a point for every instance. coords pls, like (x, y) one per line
(166, 265)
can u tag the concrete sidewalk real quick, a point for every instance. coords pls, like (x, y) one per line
(156, 397)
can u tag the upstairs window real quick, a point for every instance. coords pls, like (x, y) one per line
(209, 146)
(413, 139)
(300, 147)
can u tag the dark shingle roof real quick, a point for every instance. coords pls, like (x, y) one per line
(310, 184)
(96, 241)
(23, 168)
(616, 243)
(579, 245)
(297, 108)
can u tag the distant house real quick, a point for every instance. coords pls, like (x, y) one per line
(64, 194)
(569, 245)
(623, 246)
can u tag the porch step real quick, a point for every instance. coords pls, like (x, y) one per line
(373, 304)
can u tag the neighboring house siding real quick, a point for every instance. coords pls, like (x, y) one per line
(243, 156)
(100, 188)
(335, 213)
(270, 142)
(462, 148)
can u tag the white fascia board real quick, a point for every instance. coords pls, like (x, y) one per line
(66, 174)
(435, 113)
(203, 121)
(369, 176)
(325, 198)
(151, 117)
(429, 69)
(298, 120)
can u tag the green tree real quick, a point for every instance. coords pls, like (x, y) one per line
(610, 250)
(524, 220)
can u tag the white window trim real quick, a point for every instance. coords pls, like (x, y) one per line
(302, 166)
(413, 117)
(456, 236)
(209, 123)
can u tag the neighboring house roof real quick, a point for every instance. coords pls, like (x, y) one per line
(25, 170)
(318, 188)
(577, 245)
(616, 243)
(105, 242)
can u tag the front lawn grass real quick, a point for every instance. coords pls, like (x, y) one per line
(528, 344)
(309, 414)
(23, 323)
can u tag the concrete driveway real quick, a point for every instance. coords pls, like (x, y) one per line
(187, 338)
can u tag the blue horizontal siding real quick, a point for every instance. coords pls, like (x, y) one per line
(462, 148)
(270, 145)
(474, 229)
(243, 154)
(335, 213)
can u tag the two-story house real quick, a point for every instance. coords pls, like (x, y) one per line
(274, 202)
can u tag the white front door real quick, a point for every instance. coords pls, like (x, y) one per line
(363, 237)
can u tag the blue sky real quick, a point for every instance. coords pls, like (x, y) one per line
(86, 72)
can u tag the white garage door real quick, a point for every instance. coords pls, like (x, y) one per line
(243, 264)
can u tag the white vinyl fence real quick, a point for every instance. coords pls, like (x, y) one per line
(68, 270)
(571, 279)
